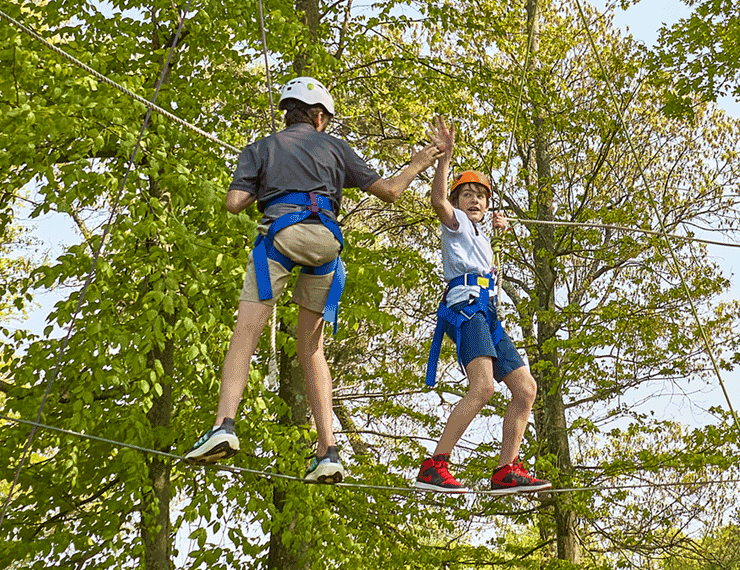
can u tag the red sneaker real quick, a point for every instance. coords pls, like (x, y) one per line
(513, 478)
(434, 476)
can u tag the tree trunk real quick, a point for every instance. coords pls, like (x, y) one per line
(310, 11)
(293, 392)
(292, 384)
(155, 522)
(155, 513)
(359, 447)
(550, 415)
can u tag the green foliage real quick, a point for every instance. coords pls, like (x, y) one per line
(698, 56)
(143, 362)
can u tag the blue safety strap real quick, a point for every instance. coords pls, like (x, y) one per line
(264, 249)
(457, 318)
(335, 293)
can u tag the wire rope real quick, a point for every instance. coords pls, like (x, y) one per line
(596, 226)
(522, 79)
(358, 486)
(96, 257)
(149, 104)
(267, 65)
(656, 212)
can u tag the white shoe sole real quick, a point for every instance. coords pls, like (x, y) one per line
(533, 488)
(429, 487)
(502, 492)
(220, 446)
(326, 472)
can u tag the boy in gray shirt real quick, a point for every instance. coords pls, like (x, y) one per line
(296, 177)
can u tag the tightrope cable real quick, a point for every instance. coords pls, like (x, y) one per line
(656, 212)
(149, 104)
(267, 65)
(357, 486)
(522, 79)
(98, 252)
(613, 227)
(272, 379)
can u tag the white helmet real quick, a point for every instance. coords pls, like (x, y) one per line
(309, 91)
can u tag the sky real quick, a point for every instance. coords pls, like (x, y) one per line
(641, 21)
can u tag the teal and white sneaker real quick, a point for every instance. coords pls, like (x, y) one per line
(326, 469)
(216, 444)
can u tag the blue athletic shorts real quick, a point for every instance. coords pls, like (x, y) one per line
(477, 341)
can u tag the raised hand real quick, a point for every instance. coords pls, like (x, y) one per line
(442, 136)
(426, 157)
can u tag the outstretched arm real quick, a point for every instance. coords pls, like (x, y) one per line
(443, 138)
(389, 190)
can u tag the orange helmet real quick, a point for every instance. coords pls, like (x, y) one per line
(470, 176)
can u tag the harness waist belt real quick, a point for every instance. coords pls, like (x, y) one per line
(482, 281)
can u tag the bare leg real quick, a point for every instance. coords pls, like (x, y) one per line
(482, 388)
(523, 391)
(310, 351)
(250, 321)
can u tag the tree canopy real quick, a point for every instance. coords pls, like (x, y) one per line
(698, 56)
(600, 313)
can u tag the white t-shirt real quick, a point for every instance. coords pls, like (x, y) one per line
(466, 250)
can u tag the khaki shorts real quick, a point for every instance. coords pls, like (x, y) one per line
(305, 244)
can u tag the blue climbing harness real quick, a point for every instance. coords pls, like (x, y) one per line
(264, 249)
(445, 315)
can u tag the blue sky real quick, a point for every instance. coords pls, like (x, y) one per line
(643, 20)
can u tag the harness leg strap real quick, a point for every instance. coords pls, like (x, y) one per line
(335, 294)
(444, 315)
(447, 315)
(434, 350)
(262, 269)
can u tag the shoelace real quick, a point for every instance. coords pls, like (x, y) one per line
(518, 468)
(444, 473)
(204, 437)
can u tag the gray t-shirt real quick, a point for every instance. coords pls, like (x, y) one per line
(465, 250)
(300, 159)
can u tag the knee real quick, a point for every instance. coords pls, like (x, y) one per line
(483, 391)
(306, 351)
(527, 390)
(243, 337)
